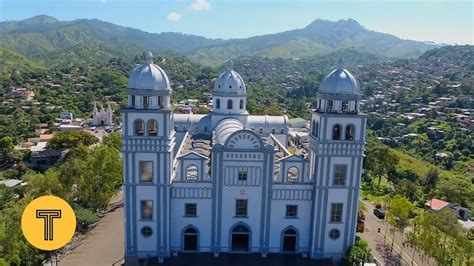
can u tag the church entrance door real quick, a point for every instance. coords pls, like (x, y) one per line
(240, 239)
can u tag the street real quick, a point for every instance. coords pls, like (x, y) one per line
(382, 251)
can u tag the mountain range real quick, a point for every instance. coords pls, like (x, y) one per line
(46, 37)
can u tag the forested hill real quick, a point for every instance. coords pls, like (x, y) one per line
(43, 35)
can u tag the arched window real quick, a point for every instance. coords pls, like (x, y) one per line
(192, 173)
(282, 131)
(273, 131)
(261, 130)
(241, 105)
(139, 127)
(175, 128)
(230, 104)
(293, 174)
(160, 102)
(330, 105)
(218, 103)
(336, 132)
(350, 129)
(152, 127)
(146, 101)
(315, 128)
(345, 106)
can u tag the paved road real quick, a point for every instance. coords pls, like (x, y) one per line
(103, 245)
(401, 255)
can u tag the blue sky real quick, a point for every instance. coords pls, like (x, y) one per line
(430, 20)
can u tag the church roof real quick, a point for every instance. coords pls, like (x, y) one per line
(225, 128)
(149, 76)
(339, 81)
(230, 83)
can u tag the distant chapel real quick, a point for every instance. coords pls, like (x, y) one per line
(102, 116)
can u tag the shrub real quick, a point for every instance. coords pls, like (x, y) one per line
(85, 217)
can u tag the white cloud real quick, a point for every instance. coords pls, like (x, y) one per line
(173, 16)
(201, 5)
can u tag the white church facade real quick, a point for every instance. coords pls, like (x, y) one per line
(227, 182)
(102, 116)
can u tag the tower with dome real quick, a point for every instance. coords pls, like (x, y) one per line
(226, 182)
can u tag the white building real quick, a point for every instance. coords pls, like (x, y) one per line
(102, 117)
(226, 182)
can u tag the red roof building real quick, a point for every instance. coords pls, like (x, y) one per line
(436, 204)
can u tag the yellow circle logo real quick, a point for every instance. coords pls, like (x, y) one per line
(48, 223)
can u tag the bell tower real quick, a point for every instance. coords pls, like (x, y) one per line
(148, 143)
(337, 142)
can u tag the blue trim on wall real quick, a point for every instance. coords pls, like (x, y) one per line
(270, 162)
(263, 210)
(219, 209)
(325, 205)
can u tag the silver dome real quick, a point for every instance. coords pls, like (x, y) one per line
(148, 76)
(230, 83)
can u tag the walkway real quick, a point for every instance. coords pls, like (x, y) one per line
(104, 244)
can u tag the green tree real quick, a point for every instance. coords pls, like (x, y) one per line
(44, 184)
(359, 253)
(14, 249)
(431, 178)
(380, 160)
(113, 140)
(6, 146)
(6, 196)
(440, 236)
(398, 214)
(99, 176)
(71, 139)
(456, 190)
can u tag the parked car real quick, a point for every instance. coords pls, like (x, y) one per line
(379, 213)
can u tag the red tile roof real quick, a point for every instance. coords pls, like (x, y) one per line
(436, 204)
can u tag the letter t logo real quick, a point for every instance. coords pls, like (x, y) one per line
(48, 216)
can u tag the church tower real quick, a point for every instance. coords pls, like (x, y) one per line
(229, 97)
(148, 143)
(337, 140)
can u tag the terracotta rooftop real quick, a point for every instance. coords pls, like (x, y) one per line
(436, 204)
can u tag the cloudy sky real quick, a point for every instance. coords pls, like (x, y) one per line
(429, 20)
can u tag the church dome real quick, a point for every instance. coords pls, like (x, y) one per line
(339, 81)
(149, 76)
(229, 83)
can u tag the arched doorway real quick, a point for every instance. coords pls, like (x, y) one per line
(290, 237)
(190, 240)
(240, 239)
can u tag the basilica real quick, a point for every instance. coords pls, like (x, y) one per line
(230, 182)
